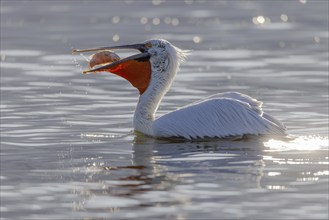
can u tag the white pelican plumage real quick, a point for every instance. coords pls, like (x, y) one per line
(152, 72)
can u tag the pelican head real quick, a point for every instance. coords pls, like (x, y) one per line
(158, 60)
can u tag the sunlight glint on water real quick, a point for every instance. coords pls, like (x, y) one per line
(302, 143)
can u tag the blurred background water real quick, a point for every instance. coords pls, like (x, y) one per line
(67, 146)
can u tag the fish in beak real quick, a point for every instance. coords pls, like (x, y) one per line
(136, 68)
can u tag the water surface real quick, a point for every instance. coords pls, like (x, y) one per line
(67, 146)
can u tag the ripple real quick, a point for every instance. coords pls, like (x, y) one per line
(228, 54)
(41, 70)
(21, 53)
(102, 202)
(199, 157)
(277, 26)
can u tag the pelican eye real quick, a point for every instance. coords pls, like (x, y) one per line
(148, 45)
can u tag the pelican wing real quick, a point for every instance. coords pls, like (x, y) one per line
(218, 117)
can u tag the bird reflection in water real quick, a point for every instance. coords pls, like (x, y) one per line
(163, 164)
(170, 172)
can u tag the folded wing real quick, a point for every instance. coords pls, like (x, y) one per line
(228, 114)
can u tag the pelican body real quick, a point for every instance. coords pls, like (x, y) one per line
(152, 72)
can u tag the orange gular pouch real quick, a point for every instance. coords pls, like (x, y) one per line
(138, 73)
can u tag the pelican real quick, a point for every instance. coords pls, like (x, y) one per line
(152, 71)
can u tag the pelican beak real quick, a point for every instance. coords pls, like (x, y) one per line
(136, 68)
(141, 47)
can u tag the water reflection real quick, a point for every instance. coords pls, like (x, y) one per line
(183, 173)
(190, 158)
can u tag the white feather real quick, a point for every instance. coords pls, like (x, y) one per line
(218, 117)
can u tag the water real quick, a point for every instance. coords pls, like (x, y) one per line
(67, 146)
